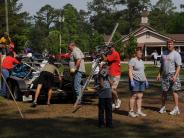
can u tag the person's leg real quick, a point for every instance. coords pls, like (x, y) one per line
(49, 95)
(116, 100)
(101, 108)
(132, 102)
(95, 80)
(175, 97)
(37, 93)
(5, 74)
(175, 110)
(139, 101)
(108, 112)
(164, 98)
(77, 83)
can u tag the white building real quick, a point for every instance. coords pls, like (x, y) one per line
(149, 39)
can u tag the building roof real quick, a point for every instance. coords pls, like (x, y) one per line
(177, 37)
(140, 30)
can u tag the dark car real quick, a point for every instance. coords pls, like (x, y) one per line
(37, 57)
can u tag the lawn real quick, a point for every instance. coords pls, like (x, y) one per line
(150, 70)
(58, 121)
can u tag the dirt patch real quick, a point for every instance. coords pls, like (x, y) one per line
(57, 120)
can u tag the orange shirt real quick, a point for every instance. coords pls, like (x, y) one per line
(8, 62)
(114, 64)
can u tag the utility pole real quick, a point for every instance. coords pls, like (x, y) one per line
(6, 15)
(61, 19)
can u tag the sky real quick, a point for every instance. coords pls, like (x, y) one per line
(32, 6)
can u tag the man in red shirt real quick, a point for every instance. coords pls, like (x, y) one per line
(113, 60)
(7, 65)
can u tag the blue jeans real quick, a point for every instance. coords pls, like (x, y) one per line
(6, 74)
(77, 83)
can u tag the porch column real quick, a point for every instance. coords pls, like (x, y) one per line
(145, 51)
(179, 49)
(161, 50)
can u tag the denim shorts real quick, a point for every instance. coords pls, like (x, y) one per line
(139, 86)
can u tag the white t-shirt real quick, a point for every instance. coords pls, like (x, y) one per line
(155, 55)
(97, 68)
(138, 69)
(169, 61)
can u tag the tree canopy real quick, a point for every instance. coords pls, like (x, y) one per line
(86, 28)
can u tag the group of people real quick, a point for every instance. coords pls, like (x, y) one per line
(169, 71)
(6, 44)
(107, 79)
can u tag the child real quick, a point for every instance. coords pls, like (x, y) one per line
(105, 99)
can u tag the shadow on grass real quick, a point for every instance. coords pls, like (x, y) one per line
(70, 127)
(121, 112)
(155, 109)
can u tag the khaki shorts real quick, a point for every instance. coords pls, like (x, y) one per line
(115, 81)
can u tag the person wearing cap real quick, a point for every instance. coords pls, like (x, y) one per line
(113, 60)
(170, 70)
(46, 80)
(77, 67)
(105, 99)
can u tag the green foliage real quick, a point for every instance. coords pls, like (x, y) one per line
(132, 45)
(87, 28)
(176, 24)
(162, 14)
(19, 41)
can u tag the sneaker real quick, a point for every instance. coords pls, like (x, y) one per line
(132, 114)
(34, 104)
(141, 114)
(117, 106)
(162, 110)
(175, 111)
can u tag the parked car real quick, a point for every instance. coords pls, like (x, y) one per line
(23, 83)
(62, 56)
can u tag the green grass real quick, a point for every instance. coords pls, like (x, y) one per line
(151, 71)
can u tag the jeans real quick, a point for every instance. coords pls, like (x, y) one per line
(77, 83)
(95, 77)
(6, 74)
(105, 105)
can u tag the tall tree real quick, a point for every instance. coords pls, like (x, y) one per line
(162, 14)
(46, 16)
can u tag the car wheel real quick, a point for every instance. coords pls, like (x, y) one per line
(16, 93)
(8, 95)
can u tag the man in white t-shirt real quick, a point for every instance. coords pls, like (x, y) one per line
(77, 67)
(170, 69)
